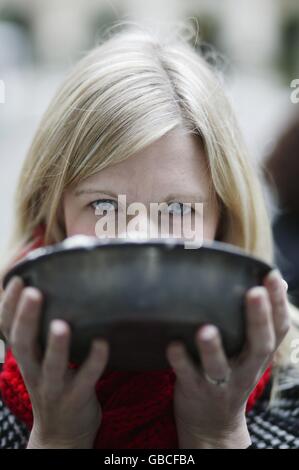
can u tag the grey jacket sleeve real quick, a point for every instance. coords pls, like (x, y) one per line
(13, 433)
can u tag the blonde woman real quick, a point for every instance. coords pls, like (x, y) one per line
(145, 117)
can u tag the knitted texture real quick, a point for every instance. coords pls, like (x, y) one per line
(137, 407)
(275, 427)
(13, 433)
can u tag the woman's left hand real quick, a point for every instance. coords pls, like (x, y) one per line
(210, 415)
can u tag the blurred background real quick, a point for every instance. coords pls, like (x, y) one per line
(259, 45)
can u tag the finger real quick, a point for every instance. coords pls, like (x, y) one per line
(24, 332)
(91, 370)
(56, 358)
(184, 369)
(278, 298)
(260, 328)
(213, 358)
(9, 304)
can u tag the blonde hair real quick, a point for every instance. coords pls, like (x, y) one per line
(125, 94)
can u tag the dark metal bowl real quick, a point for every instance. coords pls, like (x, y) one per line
(141, 294)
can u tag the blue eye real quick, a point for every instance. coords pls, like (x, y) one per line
(179, 208)
(104, 205)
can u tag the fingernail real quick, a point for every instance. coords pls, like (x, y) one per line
(256, 296)
(285, 284)
(176, 352)
(274, 278)
(58, 327)
(33, 293)
(15, 280)
(207, 333)
(100, 344)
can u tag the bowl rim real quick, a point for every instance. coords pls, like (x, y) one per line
(83, 243)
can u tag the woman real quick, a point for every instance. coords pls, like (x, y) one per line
(149, 119)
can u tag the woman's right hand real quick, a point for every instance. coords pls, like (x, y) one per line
(66, 411)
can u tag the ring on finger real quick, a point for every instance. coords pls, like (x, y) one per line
(222, 382)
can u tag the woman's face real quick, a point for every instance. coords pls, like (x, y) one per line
(172, 170)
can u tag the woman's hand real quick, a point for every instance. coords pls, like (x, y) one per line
(210, 415)
(66, 411)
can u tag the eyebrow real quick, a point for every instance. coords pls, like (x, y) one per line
(188, 197)
(79, 192)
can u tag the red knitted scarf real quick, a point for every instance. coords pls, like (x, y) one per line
(137, 406)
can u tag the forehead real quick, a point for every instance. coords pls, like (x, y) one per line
(174, 163)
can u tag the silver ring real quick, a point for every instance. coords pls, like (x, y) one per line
(219, 382)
